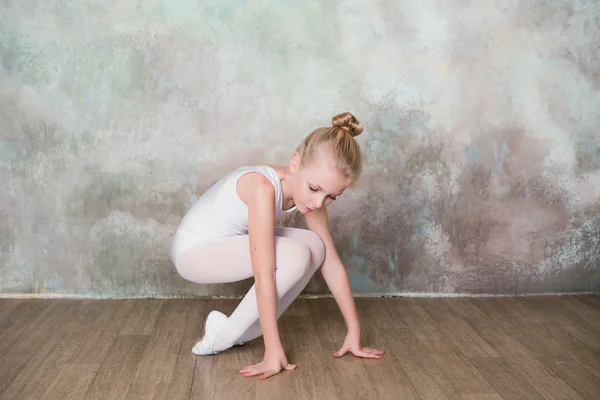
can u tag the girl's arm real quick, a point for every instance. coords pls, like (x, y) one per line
(259, 194)
(333, 270)
(336, 278)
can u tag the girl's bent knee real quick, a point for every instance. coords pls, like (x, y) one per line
(317, 247)
(295, 254)
(304, 258)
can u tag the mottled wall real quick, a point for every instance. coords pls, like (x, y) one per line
(482, 139)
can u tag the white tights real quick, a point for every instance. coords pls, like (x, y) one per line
(298, 254)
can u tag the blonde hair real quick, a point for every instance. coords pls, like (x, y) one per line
(340, 136)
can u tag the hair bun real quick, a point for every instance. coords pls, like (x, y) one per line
(348, 123)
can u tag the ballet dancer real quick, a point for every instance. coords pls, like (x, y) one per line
(229, 235)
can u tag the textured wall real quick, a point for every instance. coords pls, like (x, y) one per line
(481, 142)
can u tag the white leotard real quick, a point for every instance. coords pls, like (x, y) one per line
(220, 212)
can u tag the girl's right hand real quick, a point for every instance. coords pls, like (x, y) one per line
(272, 363)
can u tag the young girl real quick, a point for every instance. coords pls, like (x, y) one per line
(230, 235)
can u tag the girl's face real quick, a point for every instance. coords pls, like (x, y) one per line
(317, 183)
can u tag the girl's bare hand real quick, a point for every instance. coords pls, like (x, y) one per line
(352, 344)
(271, 364)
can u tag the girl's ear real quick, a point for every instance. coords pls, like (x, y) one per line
(295, 162)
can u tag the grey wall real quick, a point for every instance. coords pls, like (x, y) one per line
(481, 143)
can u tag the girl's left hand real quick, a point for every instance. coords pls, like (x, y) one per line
(352, 344)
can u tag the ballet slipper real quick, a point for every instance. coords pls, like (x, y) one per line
(204, 345)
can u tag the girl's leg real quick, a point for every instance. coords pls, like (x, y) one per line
(223, 260)
(228, 260)
(317, 256)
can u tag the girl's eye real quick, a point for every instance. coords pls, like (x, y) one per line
(333, 198)
(313, 189)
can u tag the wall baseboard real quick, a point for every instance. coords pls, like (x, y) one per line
(68, 296)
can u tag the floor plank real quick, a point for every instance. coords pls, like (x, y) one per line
(312, 378)
(388, 376)
(119, 369)
(184, 369)
(349, 374)
(515, 318)
(50, 343)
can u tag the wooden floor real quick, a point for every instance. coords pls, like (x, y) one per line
(492, 348)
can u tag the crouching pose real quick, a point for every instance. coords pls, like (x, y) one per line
(230, 235)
